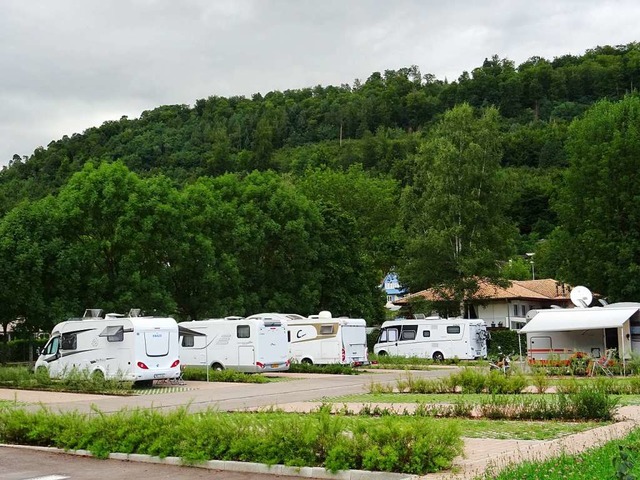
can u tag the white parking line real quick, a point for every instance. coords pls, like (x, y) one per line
(49, 477)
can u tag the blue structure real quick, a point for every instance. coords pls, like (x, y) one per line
(393, 290)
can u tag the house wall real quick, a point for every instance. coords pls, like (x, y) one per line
(503, 312)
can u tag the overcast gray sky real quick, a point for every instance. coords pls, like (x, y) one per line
(67, 65)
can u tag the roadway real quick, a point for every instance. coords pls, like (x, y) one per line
(292, 389)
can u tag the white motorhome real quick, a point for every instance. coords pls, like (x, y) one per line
(133, 348)
(323, 340)
(251, 345)
(433, 337)
(559, 333)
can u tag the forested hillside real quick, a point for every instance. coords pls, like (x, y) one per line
(301, 200)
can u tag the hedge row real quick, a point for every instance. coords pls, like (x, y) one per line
(418, 446)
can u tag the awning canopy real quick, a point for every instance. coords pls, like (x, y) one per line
(187, 332)
(572, 319)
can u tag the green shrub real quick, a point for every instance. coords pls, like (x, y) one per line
(378, 388)
(21, 350)
(230, 376)
(73, 380)
(540, 381)
(469, 380)
(336, 442)
(332, 369)
(505, 341)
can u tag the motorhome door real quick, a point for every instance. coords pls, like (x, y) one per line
(388, 341)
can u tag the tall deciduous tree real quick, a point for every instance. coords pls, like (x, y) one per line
(454, 211)
(598, 243)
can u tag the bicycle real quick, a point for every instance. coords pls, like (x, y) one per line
(503, 364)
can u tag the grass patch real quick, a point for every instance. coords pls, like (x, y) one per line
(76, 381)
(615, 459)
(231, 376)
(419, 446)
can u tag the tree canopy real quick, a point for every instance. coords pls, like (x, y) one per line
(302, 200)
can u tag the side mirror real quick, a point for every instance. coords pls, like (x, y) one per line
(37, 351)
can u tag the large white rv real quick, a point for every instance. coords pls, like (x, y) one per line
(323, 340)
(433, 337)
(253, 344)
(138, 349)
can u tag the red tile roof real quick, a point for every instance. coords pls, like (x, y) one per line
(545, 289)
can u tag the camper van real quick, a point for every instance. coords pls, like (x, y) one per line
(433, 337)
(253, 344)
(557, 334)
(322, 339)
(134, 348)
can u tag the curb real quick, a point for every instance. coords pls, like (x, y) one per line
(230, 466)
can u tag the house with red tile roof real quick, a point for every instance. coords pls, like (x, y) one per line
(504, 306)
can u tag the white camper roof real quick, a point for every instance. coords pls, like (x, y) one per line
(572, 319)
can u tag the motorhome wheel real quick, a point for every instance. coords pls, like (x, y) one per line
(382, 353)
(438, 356)
(307, 361)
(217, 367)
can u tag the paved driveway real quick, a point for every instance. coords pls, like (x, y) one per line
(224, 396)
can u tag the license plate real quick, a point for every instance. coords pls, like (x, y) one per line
(158, 375)
(275, 365)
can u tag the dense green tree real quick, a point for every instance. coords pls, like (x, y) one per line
(371, 203)
(29, 245)
(599, 235)
(454, 213)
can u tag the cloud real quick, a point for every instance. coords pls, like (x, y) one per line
(72, 64)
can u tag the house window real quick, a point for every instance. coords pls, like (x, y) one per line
(188, 341)
(515, 310)
(523, 309)
(426, 333)
(453, 329)
(243, 331)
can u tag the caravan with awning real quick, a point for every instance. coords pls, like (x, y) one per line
(557, 334)
(133, 348)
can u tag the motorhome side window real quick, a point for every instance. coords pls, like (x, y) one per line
(426, 333)
(187, 341)
(69, 341)
(116, 337)
(326, 329)
(388, 335)
(453, 329)
(409, 332)
(243, 331)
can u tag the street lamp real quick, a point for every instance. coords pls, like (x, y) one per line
(533, 265)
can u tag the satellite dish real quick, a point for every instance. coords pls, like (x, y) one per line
(581, 296)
